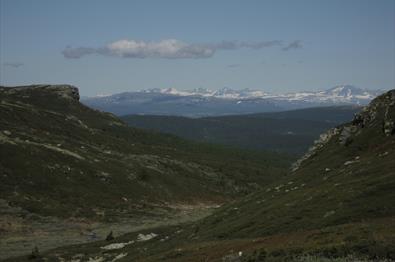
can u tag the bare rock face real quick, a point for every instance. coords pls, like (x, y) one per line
(381, 107)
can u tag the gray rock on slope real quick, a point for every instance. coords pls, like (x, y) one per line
(365, 118)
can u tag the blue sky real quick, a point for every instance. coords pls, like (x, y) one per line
(115, 46)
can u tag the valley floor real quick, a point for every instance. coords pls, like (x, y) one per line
(368, 241)
(21, 232)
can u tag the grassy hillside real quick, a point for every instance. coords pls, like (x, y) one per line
(348, 176)
(61, 158)
(336, 204)
(289, 131)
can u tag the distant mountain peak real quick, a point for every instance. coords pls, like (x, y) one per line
(170, 90)
(203, 102)
(342, 92)
(345, 90)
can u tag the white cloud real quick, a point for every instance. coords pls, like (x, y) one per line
(293, 45)
(168, 48)
(13, 64)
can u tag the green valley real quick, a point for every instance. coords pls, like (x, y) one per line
(336, 204)
(288, 131)
(61, 159)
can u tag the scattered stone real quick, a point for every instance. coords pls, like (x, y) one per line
(6, 132)
(77, 257)
(349, 163)
(124, 199)
(327, 169)
(329, 213)
(383, 154)
(104, 176)
(389, 127)
(96, 259)
(119, 256)
(142, 237)
(164, 239)
(117, 245)
(235, 257)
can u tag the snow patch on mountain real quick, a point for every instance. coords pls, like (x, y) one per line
(337, 94)
(204, 102)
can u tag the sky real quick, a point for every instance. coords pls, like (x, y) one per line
(107, 47)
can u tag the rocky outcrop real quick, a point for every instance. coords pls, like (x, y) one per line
(383, 104)
(379, 113)
(64, 91)
(318, 144)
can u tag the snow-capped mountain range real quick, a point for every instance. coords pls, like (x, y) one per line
(224, 92)
(202, 102)
(341, 93)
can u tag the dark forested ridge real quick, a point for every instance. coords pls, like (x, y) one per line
(289, 131)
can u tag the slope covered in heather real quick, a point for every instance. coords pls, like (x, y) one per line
(337, 203)
(61, 158)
